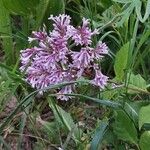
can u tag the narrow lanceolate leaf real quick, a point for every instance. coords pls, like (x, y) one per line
(131, 111)
(5, 30)
(123, 1)
(145, 141)
(108, 103)
(121, 62)
(124, 127)
(99, 135)
(144, 117)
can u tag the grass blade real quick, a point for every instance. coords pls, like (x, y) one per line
(98, 136)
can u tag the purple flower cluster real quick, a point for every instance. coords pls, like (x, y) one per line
(54, 60)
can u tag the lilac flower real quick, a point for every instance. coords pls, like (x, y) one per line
(59, 36)
(38, 77)
(26, 56)
(53, 61)
(61, 23)
(57, 39)
(59, 51)
(38, 36)
(100, 79)
(82, 59)
(65, 90)
(83, 34)
(56, 77)
(48, 61)
(69, 75)
(100, 50)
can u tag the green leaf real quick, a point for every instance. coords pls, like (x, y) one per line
(49, 128)
(57, 6)
(131, 111)
(108, 103)
(123, 1)
(125, 15)
(136, 83)
(124, 127)
(143, 38)
(138, 6)
(40, 12)
(64, 119)
(146, 126)
(121, 62)
(60, 115)
(47, 8)
(99, 135)
(5, 30)
(20, 7)
(144, 116)
(28, 100)
(145, 141)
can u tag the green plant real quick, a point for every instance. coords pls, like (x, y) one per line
(116, 118)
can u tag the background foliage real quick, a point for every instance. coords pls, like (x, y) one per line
(115, 118)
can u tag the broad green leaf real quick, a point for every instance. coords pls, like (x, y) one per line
(136, 83)
(137, 105)
(145, 141)
(99, 135)
(144, 116)
(124, 127)
(121, 62)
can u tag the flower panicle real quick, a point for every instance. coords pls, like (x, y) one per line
(53, 60)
